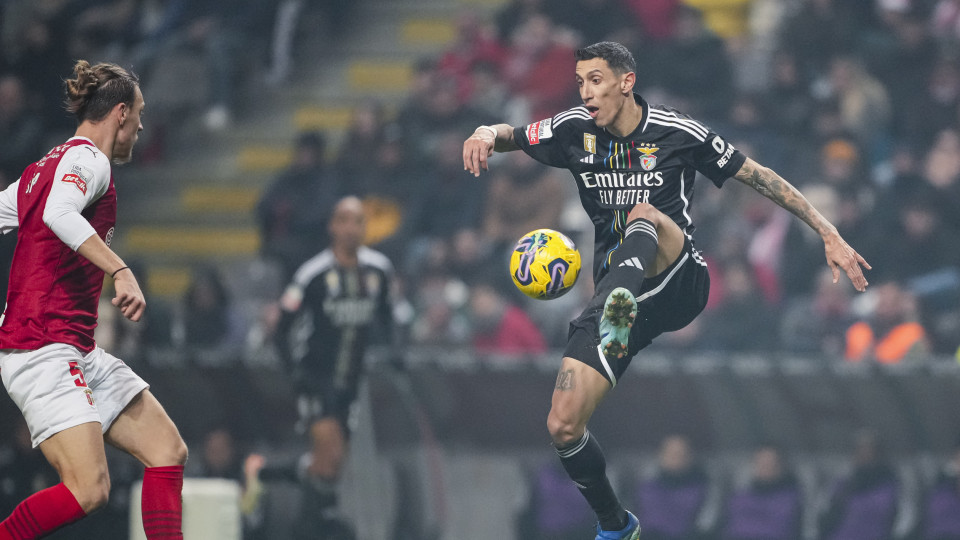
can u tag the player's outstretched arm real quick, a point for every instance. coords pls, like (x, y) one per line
(839, 254)
(129, 297)
(483, 143)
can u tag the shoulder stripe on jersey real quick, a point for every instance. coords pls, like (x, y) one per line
(375, 258)
(693, 124)
(678, 125)
(315, 265)
(579, 112)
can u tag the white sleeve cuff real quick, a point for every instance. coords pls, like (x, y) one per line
(72, 229)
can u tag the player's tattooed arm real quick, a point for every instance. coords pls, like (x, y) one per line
(565, 380)
(772, 186)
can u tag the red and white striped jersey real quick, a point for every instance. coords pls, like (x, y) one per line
(54, 292)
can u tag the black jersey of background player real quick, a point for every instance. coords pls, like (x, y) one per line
(331, 313)
(655, 164)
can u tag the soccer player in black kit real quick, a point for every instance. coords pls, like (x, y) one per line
(634, 164)
(339, 301)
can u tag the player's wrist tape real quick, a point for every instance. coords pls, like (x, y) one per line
(491, 129)
(115, 272)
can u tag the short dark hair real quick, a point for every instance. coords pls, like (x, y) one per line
(616, 55)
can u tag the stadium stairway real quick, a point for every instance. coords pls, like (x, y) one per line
(196, 206)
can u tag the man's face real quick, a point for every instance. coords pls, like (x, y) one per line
(130, 130)
(348, 224)
(601, 90)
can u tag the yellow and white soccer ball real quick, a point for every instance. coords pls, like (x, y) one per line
(545, 264)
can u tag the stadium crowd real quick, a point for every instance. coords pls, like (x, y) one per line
(855, 102)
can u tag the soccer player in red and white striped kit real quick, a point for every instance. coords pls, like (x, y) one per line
(73, 394)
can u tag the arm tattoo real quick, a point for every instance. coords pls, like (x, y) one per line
(774, 187)
(565, 380)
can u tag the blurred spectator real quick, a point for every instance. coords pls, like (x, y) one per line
(516, 202)
(902, 54)
(218, 457)
(919, 244)
(476, 43)
(941, 506)
(515, 13)
(500, 327)
(389, 184)
(21, 130)
(218, 37)
(816, 323)
(941, 170)
(207, 319)
(864, 104)
(655, 17)
(592, 20)
(441, 304)
(891, 332)
(693, 68)
(669, 504)
(742, 306)
(450, 203)
(293, 211)
(820, 30)
(432, 113)
(789, 105)
(863, 505)
(541, 54)
(945, 20)
(770, 507)
(934, 107)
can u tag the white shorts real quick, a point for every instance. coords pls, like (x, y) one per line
(56, 387)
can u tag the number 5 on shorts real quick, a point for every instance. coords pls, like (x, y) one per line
(77, 375)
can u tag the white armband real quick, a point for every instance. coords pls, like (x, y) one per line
(72, 229)
(491, 129)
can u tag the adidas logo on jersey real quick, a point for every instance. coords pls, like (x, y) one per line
(588, 159)
(632, 261)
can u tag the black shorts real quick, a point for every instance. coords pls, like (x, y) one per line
(316, 405)
(665, 303)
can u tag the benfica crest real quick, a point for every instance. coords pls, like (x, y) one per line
(648, 161)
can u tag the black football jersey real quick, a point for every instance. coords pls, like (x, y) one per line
(655, 164)
(330, 314)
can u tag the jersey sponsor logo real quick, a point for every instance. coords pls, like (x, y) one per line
(77, 181)
(590, 143)
(81, 171)
(648, 161)
(621, 179)
(724, 148)
(540, 130)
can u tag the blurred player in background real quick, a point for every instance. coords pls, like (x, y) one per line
(338, 303)
(634, 165)
(74, 395)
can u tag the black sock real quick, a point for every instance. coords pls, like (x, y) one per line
(586, 466)
(636, 253)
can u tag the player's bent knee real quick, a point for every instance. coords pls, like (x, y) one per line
(645, 211)
(564, 431)
(90, 495)
(179, 453)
